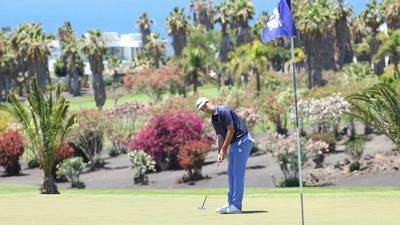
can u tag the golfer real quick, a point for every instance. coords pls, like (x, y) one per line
(235, 143)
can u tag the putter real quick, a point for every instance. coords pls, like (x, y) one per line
(208, 190)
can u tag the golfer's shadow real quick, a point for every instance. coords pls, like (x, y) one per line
(253, 211)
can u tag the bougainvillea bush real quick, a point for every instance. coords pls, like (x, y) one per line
(165, 134)
(191, 157)
(11, 149)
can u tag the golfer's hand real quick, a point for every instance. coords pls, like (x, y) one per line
(221, 156)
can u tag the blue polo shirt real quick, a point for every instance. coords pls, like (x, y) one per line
(222, 117)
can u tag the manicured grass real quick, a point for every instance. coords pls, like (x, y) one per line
(22, 205)
(87, 102)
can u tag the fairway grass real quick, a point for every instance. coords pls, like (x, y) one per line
(22, 205)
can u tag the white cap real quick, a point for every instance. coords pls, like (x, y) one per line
(200, 102)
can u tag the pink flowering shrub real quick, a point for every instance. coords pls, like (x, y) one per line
(249, 116)
(165, 134)
(284, 149)
(191, 157)
(318, 149)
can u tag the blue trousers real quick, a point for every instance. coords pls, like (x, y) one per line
(238, 154)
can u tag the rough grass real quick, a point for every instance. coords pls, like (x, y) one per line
(22, 205)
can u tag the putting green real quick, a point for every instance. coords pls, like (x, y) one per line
(22, 205)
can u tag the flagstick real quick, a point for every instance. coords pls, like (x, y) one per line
(297, 131)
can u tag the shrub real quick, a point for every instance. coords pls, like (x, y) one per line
(143, 163)
(72, 168)
(88, 136)
(191, 158)
(4, 121)
(318, 149)
(11, 148)
(328, 138)
(284, 151)
(33, 163)
(324, 112)
(355, 148)
(65, 151)
(165, 134)
(249, 116)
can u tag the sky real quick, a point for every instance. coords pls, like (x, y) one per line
(106, 15)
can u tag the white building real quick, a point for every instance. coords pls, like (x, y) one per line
(125, 46)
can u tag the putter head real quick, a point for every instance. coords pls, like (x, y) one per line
(201, 208)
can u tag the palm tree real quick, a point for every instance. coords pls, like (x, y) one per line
(114, 62)
(8, 63)
(259, 26)
(378, 106)
(64, 32)
(344, 49)
(315, 24)
(202, 13)
(156, 48)
(391, 46)
(71, 53)
(144, 23)
(46, 123)
(390, 9)
(223, 17)
(33, 45)
(194, 65)
(372, 18)
(178, 27)
(250, 58)
(243, 11)
(93, 45)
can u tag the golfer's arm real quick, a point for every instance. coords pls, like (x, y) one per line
(220, 142)
(228, 138)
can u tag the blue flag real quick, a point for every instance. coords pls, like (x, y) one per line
(281, 23)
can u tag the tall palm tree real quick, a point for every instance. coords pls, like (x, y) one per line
(71, 53)
(344, 49)
(259, 25)
(144, 23)
(194, 65)
(46, 123)
(390, 10)
(391, 46)
(93, 45)
(243, 11)
(33, 45)
(223, 18)
(372, 18)
(178, 25)
(203, 13)
(156, 48)
(64, 33)
(315, 24)
(8, 63)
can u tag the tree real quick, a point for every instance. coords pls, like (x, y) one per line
(259, 25)
(114, 62)
(315, 23)
(243, 11)
(178, 27)
(223, 17)
(71, 53)
(373, 19)
(7, 64)
(344, 50)
(390, 9)
(64, 33)
(144, 23)
(156, 48)
(93, 45)
(194, 65)
(202, 13)
(391, 46)
(46, 123)
(33, 45)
